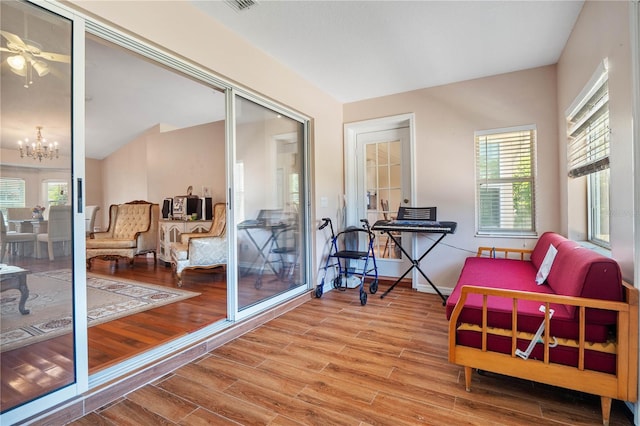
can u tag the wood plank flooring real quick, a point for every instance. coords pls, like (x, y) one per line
(48, 365)
(334, 362)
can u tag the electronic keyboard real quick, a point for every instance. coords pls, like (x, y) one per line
(415, 226)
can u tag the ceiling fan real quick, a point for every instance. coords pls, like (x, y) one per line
(28, 55)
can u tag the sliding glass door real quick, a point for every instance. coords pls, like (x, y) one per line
(269, 203)
(38, 205)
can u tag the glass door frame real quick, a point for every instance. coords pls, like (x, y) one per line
(80, 361)
(235, 314)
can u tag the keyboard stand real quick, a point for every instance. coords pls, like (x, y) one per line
(415, 263)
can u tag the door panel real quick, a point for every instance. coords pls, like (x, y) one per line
(383, 185)
(268, 203)
(36, 197)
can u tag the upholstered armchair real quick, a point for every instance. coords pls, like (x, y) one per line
(133, 231)
(205, 250)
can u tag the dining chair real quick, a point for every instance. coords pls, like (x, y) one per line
(59, 229)
(7, 237)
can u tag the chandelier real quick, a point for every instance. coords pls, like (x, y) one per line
(40, 148)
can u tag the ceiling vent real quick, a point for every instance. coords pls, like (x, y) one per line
(240, 5)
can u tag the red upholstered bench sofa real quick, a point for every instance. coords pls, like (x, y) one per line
(588, 315)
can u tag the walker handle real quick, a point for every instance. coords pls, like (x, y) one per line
(325, 222)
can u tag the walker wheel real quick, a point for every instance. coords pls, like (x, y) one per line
(337, 281)
(373, 287)
(363, 298)
(319, 292)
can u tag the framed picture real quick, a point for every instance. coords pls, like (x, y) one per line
(179, 206)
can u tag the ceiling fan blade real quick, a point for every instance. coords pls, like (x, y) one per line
(4, 49)
(56, 57)
(13, 39)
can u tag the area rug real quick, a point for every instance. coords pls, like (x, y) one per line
(50, 305)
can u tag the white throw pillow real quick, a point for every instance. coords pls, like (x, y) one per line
(545, 267)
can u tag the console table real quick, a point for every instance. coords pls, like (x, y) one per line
(169, 231)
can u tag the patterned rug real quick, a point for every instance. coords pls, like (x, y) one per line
(50, 305)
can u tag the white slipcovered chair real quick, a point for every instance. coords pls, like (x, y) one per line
(206, 250)
(58, 231)
(7, 237)
(90, 218)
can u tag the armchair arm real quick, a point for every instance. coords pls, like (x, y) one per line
(207, 251)
(186, 237)
(101, 235)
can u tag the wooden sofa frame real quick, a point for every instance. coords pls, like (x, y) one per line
(623, 385)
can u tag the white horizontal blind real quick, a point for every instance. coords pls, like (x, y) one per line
(588, 128)
(12, 193)
(505, 184)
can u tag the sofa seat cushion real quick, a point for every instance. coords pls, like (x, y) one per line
(110, 244)
(518, 275)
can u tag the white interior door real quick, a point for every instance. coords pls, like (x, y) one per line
(380, 181)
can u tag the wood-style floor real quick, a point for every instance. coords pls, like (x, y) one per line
(332, 361)
(36, 369)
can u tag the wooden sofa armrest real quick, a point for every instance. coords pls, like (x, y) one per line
(503, 252)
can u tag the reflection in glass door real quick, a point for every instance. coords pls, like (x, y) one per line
(37, 350)
(269, 203)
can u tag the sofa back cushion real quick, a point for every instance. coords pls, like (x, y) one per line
(542, 246)
(579, 271)
(131, 219)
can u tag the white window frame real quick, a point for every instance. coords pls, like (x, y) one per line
(588, 148)
(47, 184)
(506, 226)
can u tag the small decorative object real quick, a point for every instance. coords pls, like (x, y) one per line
(36, 212)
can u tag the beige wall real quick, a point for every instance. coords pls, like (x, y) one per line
(193, 156)
(446, 118)
(160, 164)
(602, 31)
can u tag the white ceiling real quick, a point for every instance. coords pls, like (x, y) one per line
(357, 50)
(352, 50)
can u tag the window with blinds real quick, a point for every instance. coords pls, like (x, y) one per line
(505, 181)
(588, 127)
(12, 193)
(588, 147)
